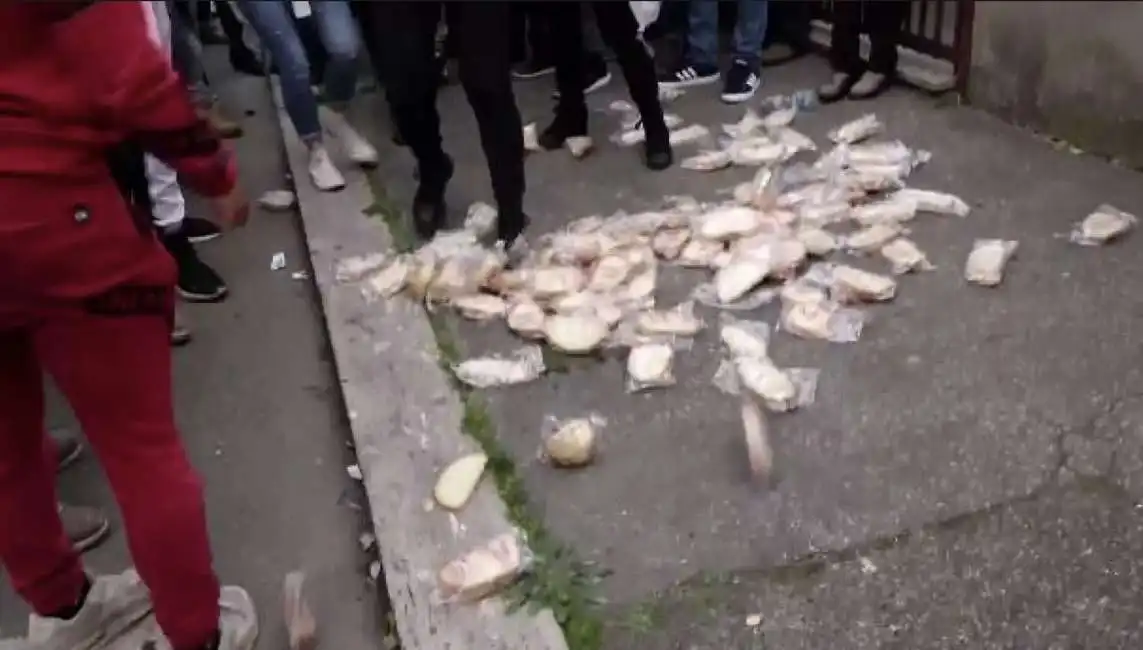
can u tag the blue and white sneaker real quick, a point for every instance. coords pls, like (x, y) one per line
(689, 75)
(742, 81)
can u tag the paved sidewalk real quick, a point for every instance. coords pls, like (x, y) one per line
(263, 420)
(980, 448)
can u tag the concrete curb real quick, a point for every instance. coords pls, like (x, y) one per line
(405, 418)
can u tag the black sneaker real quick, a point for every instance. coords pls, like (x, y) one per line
(198, 230)
(429, 208)
(532, 69)
(742, 81)
(197, 281)
(561, 128)
(689, 75)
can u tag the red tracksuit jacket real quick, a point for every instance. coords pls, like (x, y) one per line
(76, 78)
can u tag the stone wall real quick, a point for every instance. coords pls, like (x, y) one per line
(1071, 69)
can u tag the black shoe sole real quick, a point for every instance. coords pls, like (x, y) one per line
(191, 296)
(204, 238)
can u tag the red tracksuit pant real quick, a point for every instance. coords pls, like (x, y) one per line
(112, 361)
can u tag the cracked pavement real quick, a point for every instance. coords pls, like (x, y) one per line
(1014, 409)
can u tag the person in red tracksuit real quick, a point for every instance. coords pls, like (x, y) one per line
(86, 295)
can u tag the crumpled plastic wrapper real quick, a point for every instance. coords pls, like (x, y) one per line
(987, 261)
(707, 161)
(390, 280)
(749, 125)
(524, 365)
(572, 442)
(852, 285)
(756, 153)
(650, 365)
(579, 145)
(745, 271)
(794, 141)
(352, 269)
(780, 117)
(687, 134)
(484, 570)
(822, 320)
(699, 253)
(480, 219)
(730, 222)
(935, 202)
(1105, 225)
(532, 138)
(905, 257)
(823, 214)
(464, 273)
(668, 243)
(857, 130)
(277, 200)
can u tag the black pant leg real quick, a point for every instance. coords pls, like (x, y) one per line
(484, 53)
(845, 38)
(231, 26)
(540, 32)
(884, 20)
(620, 32)
(571, 64)
(406, 33)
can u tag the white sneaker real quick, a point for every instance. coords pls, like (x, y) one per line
(323, 173)
(237, 625)
(357, 148)
(115, 606)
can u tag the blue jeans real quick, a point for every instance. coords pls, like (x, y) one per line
(273, 21)
(749, 32)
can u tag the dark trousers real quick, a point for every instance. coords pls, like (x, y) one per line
(531, 32)
(789, 24)
(620, 32)
(882, 20)
(407, 33)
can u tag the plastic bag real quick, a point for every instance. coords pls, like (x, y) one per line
(692, 133)
(572, 442)
(390, 280)
(650, 365)
(749, 125)
(706, 294)
(526, 318)
(480, 307)
(1106, 224)
(549, 282)
(935, 202)
(484, 570)
(755, 154)
(699, 252)
(871, 238)
(780, 117)
(532, 138)
(744, 272)
(904, 256)
(464, 273)
(277, 200)
(576, 333)
(480, 219)
(523, 365)
(823, 214)
(895, 209)
(678, 321)
(795, 141)
(579, 145)
(744, 338)
(668, 243)
(609, 273)
(822, 320)
(645, 13)
(857, 130)
(707, 161)
(781, 390)
(987, 261)
(729, 222)
(818, 242)
(352, 269)
(849, 285)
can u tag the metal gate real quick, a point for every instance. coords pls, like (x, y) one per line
(941, 29)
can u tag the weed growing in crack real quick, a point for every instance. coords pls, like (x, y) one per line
(557, 580)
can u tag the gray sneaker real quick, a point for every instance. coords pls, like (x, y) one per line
(238, 626)
(85, 527)
(115, 605)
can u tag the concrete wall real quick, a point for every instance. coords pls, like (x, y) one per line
(1072, 69)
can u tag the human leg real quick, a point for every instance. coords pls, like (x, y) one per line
(701, 64)
(884, 21)
(745, 73)
(482, 44)
(342, 42)
(568, 56)
(844, 51)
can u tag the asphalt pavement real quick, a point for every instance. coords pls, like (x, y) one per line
(262, 417)
(981, 446)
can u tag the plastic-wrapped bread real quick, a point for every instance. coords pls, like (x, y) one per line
(857, 130)
(609, 273)
(1106, 224)
(872, 238)
(526, 318)
(818, 242)
(765, 380)
(935, 202)
(699, 252)
(904, 256)
(892, 210)
(571, 443)
(669, 243)
(650, 365)
(729, 222)
(849, 285)
(390, 280)
(707, 161)
(578, 333)
(680, 321)
(987, 261)
(480, 306)
(484, 570)
(552, 281)
(744, 338)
